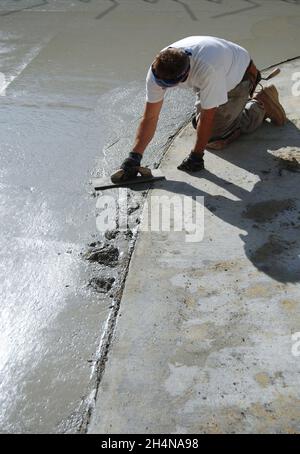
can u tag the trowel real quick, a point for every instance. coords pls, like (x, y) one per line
(118, 179)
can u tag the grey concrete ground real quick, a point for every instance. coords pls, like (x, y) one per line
(203, 342)
(72, 91)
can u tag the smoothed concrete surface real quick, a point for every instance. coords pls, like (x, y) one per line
(203, 340)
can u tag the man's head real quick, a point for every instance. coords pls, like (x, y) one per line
(170, 67)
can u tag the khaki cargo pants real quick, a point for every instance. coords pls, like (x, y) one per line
(240, 112)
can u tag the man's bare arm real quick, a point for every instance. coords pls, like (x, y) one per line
(147, 127)
(204, 129)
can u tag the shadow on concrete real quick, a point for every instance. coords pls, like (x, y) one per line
(270, 212)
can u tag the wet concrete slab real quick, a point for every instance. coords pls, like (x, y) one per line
(203, 342)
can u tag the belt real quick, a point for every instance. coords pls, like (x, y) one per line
(253, 75)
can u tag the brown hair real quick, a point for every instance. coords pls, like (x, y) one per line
(170, 63)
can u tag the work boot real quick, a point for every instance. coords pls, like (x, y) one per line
(269, 97)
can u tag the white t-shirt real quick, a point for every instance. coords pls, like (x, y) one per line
(217, 66)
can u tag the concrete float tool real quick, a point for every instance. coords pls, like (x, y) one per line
(145, 175)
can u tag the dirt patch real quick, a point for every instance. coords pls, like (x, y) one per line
(225, 266)
(272, 248)
(111, 234)
(289, 160)
(102, 285)
(289, 305)
(103, 254)
(258, 291)
(291, 165)
(263, 379)
(266, 211)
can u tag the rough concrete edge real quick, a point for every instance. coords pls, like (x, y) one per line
(107, 339)
(87, 404)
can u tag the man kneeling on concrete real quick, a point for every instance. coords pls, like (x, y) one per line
(224, 78)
